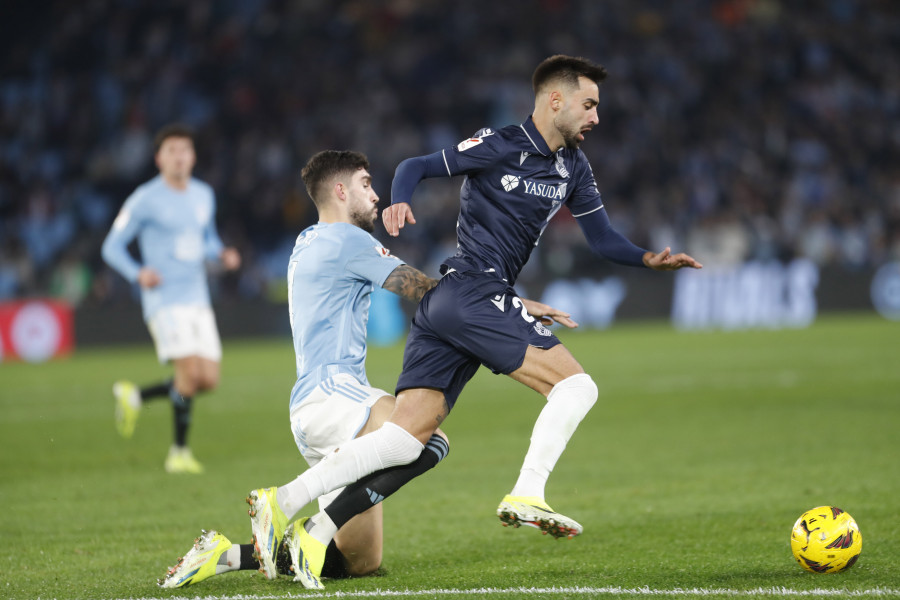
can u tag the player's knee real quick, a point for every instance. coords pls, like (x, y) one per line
(418, 410)
(440, 432)
(362, 565)
(187, 388)
(398, 446)
(207, 382)
(579, 388)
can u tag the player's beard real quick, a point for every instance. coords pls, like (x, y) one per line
(568, 131)
(364, 219)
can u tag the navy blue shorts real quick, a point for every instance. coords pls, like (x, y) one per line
(468, 319)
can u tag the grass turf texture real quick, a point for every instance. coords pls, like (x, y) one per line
(689, 472)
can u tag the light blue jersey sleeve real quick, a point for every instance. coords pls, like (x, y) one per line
(212, 243)
(370, 261)
(124, 229)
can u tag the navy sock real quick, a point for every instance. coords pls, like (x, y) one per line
(372, 489)
(157, 390)
(334, 566)
(248, 563)
(182, 409)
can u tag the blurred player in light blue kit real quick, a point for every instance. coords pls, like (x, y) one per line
(173, 218)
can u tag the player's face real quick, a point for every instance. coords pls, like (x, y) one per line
(579, 112)
(363, 201)
(175, 158)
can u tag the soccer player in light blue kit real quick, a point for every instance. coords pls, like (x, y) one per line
(332, 271)
(173, 218)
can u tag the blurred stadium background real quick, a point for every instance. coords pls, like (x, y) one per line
(761, 136)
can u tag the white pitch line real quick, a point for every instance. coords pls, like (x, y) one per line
(562, 591)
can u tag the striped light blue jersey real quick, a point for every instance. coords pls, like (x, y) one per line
(333, 270)
(176, 233)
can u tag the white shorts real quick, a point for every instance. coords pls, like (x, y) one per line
(182, 331)
(331, 415)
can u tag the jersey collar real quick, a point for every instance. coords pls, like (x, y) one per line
(537, 140)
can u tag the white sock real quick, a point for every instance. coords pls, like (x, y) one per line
(293, 496)
(230, 560)
(388, 446)
(567, 404)
(321, 527)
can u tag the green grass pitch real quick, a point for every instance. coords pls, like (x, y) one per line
(688, 474)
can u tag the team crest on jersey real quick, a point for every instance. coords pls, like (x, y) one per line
(561, 166)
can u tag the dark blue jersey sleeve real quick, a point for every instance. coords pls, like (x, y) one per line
(585, 197)
(413, 170)
(475, 153)
(468, 156)
(607, 242)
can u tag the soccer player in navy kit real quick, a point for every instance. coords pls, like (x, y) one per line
(517, 178)
(173, 218)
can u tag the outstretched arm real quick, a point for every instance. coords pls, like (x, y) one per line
(607, 242)
(408, 282)
(407, 176)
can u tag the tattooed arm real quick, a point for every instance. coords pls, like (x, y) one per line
(409, 283)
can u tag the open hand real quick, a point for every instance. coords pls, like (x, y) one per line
(396, 216)
(547, 314)
(666, 261)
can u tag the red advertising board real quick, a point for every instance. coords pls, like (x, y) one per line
(35, 330)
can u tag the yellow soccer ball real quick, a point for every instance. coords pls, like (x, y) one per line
(826, 539)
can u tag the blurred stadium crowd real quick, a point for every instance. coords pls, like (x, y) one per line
(731, 129)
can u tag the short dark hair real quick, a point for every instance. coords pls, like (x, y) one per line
(172, 130)
(566, 68)
(326, 165)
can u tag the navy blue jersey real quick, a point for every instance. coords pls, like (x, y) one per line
(514, 185)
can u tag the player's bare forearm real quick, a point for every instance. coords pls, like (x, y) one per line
(409, 283)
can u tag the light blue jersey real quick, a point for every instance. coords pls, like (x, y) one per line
(333, 270)
(176, 234)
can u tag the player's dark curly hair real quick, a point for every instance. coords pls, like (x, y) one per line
(323, 166)
(566, 68)
(172, 130)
